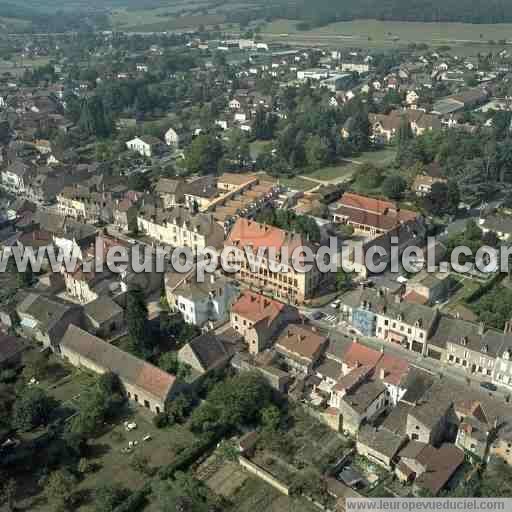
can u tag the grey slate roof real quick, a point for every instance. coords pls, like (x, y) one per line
(102, 309)
(383, 441)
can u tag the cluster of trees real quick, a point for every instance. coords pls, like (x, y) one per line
(323, 12)
(45, 19)
(231, 404)
(310, 134)
(478, 162)
(290, 221)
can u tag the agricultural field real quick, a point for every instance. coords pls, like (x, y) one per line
(373, 34)
(172, 17)
(13, 24)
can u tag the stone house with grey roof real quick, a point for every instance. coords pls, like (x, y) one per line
(205, 353)
(471, 347)
(390, 318)
(46, 319)
(143, 383)
(103, 317)
(179, 227)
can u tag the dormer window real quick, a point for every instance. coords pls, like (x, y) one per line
(399, 317)
(464, 341)
(419, 323)
(485, 349)
(506, 355)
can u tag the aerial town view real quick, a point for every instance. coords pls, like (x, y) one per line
(254, 255)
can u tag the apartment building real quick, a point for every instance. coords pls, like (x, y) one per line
(247, 237)
(179, 227)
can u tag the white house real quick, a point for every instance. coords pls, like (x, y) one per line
(16, 177)
(201, 303)
(145, 145)
(412, 98)
(172, 139)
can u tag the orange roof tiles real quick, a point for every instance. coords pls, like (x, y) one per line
(257, 307)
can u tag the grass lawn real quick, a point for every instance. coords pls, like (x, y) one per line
(467, 287)
(32, 63)
(298, 183)
(258, 146)
(338, 173)
(464, 38)
(110, 465)
(381, 157)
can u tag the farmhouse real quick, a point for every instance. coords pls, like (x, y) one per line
(144, 383)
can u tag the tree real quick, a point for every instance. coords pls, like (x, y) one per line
(204, 154)
(8, 493)
(369, 176)
(59, 489)
(360, 132)
(405, 132)
(35, 365)
(108, 497)
(271, 418)
(136, 318)
(83, 466)
(232, 403)
(343, 280)
(183, 493)
(140, 463)
(394, 187)
(31, 409)
(316, 152)
(25, 279)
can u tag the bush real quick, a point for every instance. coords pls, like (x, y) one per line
(161, 420)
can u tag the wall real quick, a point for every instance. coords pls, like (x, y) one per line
(264, 475)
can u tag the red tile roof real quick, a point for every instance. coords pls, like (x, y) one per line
(257, 307)
(365, 203)
(247, 233)
(395, 369)
(301, 341)
(373, 212)
(415, 298)
(360, 355)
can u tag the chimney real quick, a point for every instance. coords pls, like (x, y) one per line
(313, 328)
(398, 298)
(382, 374)
(212, 278)
(481, 328)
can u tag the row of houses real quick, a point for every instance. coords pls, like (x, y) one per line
(478, 351)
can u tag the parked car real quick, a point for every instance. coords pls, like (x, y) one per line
(489, 386)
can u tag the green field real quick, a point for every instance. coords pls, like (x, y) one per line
(374, 34)
(13, 24)
(336, 173)
(182, 14)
